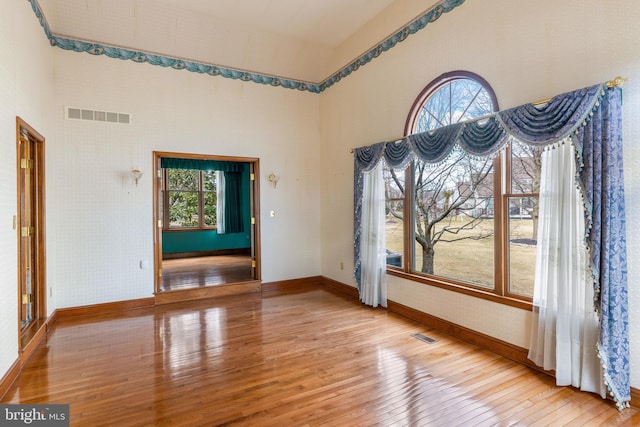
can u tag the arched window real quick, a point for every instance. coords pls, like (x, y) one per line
(461, 223)
(451, 98)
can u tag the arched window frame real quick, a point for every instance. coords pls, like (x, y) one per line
(438, 83)
(501, 186)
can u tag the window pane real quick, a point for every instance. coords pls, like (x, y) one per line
(395, 232)
(394, 223)
(183, 179)
(209, 198)
(526, 163)
(522, 244)
(183, 209)
(458, 100)
(209, 180)
(183, 185)
(454, 235)
(210, 207)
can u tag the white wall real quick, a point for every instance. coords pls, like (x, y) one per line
(100, 224)
(527, 51)
(26, 63)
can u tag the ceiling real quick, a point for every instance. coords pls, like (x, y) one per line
(287, 38)
(324, 22)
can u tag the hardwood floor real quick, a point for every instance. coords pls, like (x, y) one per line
(301, 359)
(185, 273)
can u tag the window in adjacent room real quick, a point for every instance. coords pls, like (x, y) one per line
(190, 199)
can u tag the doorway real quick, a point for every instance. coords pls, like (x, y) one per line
(29, 223)
(206, 226)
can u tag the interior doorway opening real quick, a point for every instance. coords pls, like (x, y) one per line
(207, 229)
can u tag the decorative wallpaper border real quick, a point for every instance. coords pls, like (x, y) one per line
(412, 27)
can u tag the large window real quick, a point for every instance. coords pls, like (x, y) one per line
(190, 199)
(465, 223)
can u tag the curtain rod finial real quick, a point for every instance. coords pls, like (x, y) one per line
(617, 82)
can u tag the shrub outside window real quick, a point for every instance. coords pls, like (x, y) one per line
(190, 199)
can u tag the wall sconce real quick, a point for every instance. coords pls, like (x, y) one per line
(136, 174)
(273, 179)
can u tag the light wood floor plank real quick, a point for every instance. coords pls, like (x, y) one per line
(302, 359)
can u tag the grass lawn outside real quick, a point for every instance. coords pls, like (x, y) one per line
(471, 260)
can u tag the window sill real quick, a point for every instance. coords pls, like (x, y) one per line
(478, 293)
(186, 229)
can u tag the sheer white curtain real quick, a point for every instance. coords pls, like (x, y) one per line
(220, 201)
(565, 326)
(373, 288)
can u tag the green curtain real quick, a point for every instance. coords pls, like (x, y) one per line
(233, 202)
(200, 164)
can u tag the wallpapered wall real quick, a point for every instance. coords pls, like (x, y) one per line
(26, 90)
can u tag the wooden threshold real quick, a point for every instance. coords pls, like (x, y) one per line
(32, 332)
(199, 254)
(39, 332)
(205, 292)
(36, 337)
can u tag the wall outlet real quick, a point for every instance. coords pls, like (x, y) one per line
(341, 265)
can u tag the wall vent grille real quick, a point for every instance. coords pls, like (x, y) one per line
(73, 113)
(424, 338)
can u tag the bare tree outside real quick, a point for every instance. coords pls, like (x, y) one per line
(523, 203)
(447, 210)
(453, 201)
(526, 166)
(450, 202)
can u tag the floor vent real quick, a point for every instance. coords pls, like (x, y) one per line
(424, 338)
(72, 113)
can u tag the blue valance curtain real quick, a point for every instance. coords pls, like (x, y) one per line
(592, 119)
